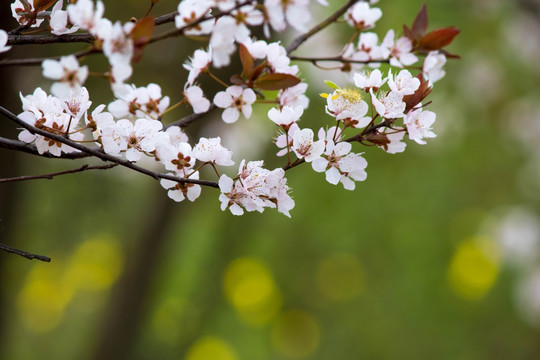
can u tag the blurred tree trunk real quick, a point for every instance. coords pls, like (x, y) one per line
(9, 167)
(133, 293)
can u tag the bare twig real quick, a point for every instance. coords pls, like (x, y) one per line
(38, 61)
(315, 60)
(186, 120)
(332, 18)
(101, 155)
(53, 175)
(25, 254)
(50, 39)
(31, 149)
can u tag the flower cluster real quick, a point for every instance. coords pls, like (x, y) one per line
(385, 105)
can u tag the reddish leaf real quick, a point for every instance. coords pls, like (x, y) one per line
(141, 35)
(247, 61)
(419, 95)
(437, 39)
(449, 55)
(237, 80)
(276, 81)
(258, 71)
(409, 34)
(41, 5)
(420, 24)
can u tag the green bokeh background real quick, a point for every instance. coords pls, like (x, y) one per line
(353, 275)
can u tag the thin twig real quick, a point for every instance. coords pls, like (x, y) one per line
(53, 175)
(302, 38)
(186, 120)
(50, 39)
(101, 155)
(337, 59)
(25, 254)
(31, 149)
(38, 61)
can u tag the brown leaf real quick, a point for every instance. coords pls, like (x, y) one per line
(276, 81)
(237, 80)
(41, 5)
(419, 95)
(439, 38)
(420, 23)
(247, 61)
(141, 35)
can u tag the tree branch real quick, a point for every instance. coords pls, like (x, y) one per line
(336, 58)
(38, 61)
(31, 149)
(50, 39)
(101, 155)
(186, 120)
(25, 254)
(302, 38)
(53, 175)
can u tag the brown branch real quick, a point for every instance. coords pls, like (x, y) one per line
(38, 61)
(186, 120)
(31, 149)
(50, 39)
(315, 60)
(25, 254)
(332, 18)
(101, 155)
(53, 175)
(167, 18)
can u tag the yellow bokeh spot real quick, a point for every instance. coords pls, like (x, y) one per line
(95, 265)
(43, 298)
(173, 319)
(295, 334)
(250, 288)
(211, 348)
(474, 268)
(340, 277)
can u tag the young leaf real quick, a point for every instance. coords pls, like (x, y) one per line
(439, 38)
(41, 5)
(331, 85)
(276, 81)
(247, 61)
(420, 24)
(141, 34)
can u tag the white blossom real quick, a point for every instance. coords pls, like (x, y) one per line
(198, 63)
(404, 83)
(305, 148)
(433, 66)
(418, 123)
(211, 151)
(389, 105)
(235, 100)
(59, 20)
(84, 15)
(285, 117)
(179, 191)
(361, 16)
(3, 41)
(400, 50)
(196, 99)
(68, 73)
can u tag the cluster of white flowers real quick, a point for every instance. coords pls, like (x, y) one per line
(379, 110)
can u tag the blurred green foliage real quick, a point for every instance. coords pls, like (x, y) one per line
(397, 269)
